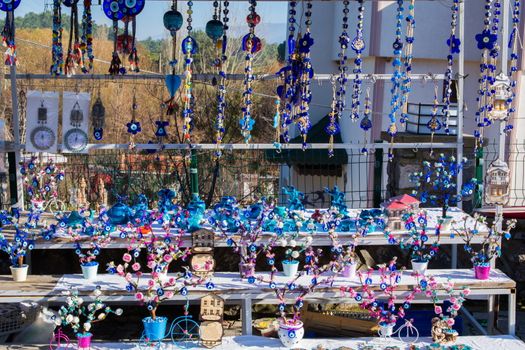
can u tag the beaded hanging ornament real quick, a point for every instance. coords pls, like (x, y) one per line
(57, 51)
(74, 53)
(406, 80)
(216, 31)
(514, 47)
(487, 42)
(173, 22)
(304, 45)
(8, 32)
(189, 48)
(358, 45)
(433, 124)
(332, 128)
(366, 122)
(133, 126)
(396, 77)
(344, 42)
(86, 45)
(98, 117)
(251, 44)
(453, 44)
(126, 11)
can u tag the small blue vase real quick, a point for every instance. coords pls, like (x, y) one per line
(155, 329)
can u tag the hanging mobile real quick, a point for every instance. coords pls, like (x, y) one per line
(453, 44)
(172, 22)
(433, 124)
(98, 116)
(8, 32)
(75, 139)
(42, 137)
(74, 53)
(86, 40)
(395, 90)
(406, 80)
(358, 45)
(57, 51)
(251, 44)
(366, 122)
(134, 126)
(127, 11)
(189, 48)
(332, 128)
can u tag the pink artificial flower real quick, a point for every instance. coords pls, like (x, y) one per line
(138, 273)
(172, 281)
(151, 283)
(169, 294)
(168, 258)
(135, 266)
(151, 264)
(126, 257)
(120, 269)
(456, 307)
(466, 291)
(438, 310)
(450, 321)
(128, 277)
(139, 296)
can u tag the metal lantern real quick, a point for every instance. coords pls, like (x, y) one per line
(98, 119)
(76, 115)
(497, 183)
(502, 93)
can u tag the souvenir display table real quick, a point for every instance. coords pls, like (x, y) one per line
(51, 289)
(500, 342)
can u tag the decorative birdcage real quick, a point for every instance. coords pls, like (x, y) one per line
(497, 183)
(502, 93)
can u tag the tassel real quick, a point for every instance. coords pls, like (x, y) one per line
(115, 65)
(134, 61)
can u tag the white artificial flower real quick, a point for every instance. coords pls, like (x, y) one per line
(97, 292)
(293, 243)
(309, 240)
(69, 301)
(69, 318)
(100, 306)
(280, 224)
(76, 319)
(295, 254)
(283, 242)
(299, 224)
(80, 301)
(102, 316)
(87, 326)
(91, 307)
(118, 312)
(58, 322)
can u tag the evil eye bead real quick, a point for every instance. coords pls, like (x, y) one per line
(291, 286)
(131, 3)
(299, 303)
(271, 261)
(423, 283)
(251, 280)
(122, 234)
(282, 307)
(78, 251)
(272, 285)
(358, 297)
(96, 251)
(375, 304)
(368, 281)
(314, 280)
(406, 305)
(184, 291)
(129, 287)
(150, 307)
(424, 238)
(229, 242)
(253, 248)
(160, 292)
(210, 285)
(398, 279)
(383, 286)
(291, 334)
(136, 253)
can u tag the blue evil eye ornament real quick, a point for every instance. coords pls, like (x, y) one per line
(133, 127)
(253, 42)
(161, 128)
(214, 29)
(251, 280)
(9, 5)
(98, 133)
(172, 21)
(172, 83)
(66, 3)
(189, 45)
(118, 9)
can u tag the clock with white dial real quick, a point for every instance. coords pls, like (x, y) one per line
(42, 138)
(75, 140)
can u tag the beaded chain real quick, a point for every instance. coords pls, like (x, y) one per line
(305, 80)
(344, 41)
(8, 38)
(133, 126)
(358, 45)
(333, 126)
(406, 83)
(366, 122)
(453, 44)
(251, 45)
(513, 45)
(434, 124)
(57, 66)
(221, 89)
(396, 77)
(277, 125)
(87, 38)
(189, 47)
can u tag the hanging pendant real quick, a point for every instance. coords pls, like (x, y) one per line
(98, 113)
(76, 115)
(161, 128)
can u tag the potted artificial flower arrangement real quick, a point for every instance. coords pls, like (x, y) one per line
(291, 263)
(490, 247)
(100, 238)
(436, 185)
(416, 241)
(80, 316)
(17, 249)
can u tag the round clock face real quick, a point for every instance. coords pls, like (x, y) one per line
(76, 140)
(42, 138)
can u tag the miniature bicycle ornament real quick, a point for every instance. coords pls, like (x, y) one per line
(184, 333)
(59, 340)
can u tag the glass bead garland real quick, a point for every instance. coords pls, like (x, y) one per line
(333, 126)
(221, 89)
(434, 124)
(344, 42)
(189, 47)
(453, 44)
(406, 80)
(358, 45)
(513, 45)
(87, 38)
(57, 66)
(366, 122)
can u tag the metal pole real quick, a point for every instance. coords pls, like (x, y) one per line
(194, 174)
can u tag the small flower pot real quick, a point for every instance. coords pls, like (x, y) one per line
(246, 269)
(290, 268)
(386, 330)
(155, 329)
(349, 270)
(482, 272)
(90, 270)
(290, 333)
(419, 266)
(19, 273)
(84, 341)
(446, 223)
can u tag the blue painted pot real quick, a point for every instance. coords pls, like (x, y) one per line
(155, 329)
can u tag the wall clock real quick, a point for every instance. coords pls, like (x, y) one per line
(42, 138)
(75, 140)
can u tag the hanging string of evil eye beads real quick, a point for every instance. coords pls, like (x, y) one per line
(251, 44)
(74, 53)
(216, 30)
(86, 40)
(366, 122)
(57, 51)
(396, 77)
(277, 125)
(453, 44)
(305, 44)
(333, 126)
(8, 32)
(513, 45)
(487, 41)
(172, 21)
(344, 42)
(189, 48)
(358, 45)
(434, 124)
(406, 80)
(133, 126)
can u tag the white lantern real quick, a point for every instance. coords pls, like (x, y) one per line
(497, 183)
(502, 93)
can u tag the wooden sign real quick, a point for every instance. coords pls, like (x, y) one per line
(211, 313)
(211, 333)
(202, 265)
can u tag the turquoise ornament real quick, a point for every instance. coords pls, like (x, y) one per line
(119, 214)
(189, 45)
(75, 219)
(214, 29)
(173, 21)
(172, 83)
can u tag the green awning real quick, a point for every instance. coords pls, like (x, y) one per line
(311, 157)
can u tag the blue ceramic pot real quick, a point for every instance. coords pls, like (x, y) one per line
(155, 329)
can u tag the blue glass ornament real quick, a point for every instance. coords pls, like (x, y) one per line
(172, 83)
(134, 127)
(172, 21)
(10, 5)
(189, 45)
(214, 29)
(161, 128)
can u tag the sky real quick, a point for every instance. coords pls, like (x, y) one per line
(149, 22)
